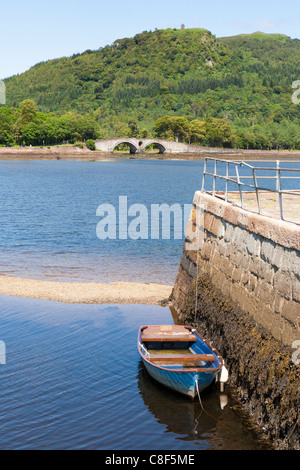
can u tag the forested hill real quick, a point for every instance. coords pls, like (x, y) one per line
(246, 79)
(137, 71)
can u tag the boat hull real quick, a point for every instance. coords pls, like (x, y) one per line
(182, 382)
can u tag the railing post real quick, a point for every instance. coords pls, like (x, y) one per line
(280, 194)
(204, 173)
(214, 181)
(227, 175)
(239, 184)
(277, 179)
(256, 190)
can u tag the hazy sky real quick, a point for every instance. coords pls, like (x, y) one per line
(32, 31)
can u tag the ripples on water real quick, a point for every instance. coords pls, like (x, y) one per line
(74, 380)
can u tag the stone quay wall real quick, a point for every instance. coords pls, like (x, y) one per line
(242, 290)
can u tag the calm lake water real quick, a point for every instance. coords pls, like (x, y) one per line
(48, 218)
(73, 379)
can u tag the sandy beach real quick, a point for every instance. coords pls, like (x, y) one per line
(93, 293)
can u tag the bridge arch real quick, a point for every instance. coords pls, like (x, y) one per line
(131, 145)
(158, 145)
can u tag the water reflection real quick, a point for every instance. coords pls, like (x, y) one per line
(180, 414)
(217, 424)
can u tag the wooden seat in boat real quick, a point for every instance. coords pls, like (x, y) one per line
(181, 358)
(167, 333)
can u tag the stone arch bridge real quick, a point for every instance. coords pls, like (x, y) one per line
(140, 145)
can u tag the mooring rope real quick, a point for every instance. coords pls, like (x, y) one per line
(201, 404)
(199, 394)
(196, 293)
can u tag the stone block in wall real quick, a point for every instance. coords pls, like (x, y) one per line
(237, 274)
(265, 271)
(252, 283)
(238, 238)
(265, 293)
(238, 258)
(291, 261)
(283, 283)
(267, 252)
(222, 247)
(208, 218)
(278, 302)
(221, 231)
(254, 265)
(260, 269)
(291, 311)
(253, 244)
(192, 254)
(188, 265)
(228, 232)
(220, 279)
(183, 280)
(215, 226)
(279, 256)
(245, 279)
(206, 251)
(237, 294)
(231, 214)
(296, 290)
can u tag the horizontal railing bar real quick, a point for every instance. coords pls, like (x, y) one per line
(281, 191)
(251, 177)
(270, 168)
(261, 188)
(236, 162)
(260, 168)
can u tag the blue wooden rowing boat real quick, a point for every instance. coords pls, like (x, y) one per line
(179, 358)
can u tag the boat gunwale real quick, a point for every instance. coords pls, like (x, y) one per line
(182, 371)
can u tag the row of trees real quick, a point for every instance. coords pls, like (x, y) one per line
(213, 132)
(217, 132)
(26, 125)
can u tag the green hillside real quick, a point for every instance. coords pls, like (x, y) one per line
(127, 86)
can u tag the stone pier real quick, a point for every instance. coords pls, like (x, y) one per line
(242, 290)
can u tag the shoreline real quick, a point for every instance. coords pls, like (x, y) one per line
(78, 154)
(85, 292)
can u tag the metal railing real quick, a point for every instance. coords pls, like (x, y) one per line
(244, 171)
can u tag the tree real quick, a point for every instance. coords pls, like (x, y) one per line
(133, 129)
(31, 134)
(197, 131)
(219, 132)
(90, 143)
(28, 111)
(7, 120)
(172, 127)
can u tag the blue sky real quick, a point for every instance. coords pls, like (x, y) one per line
(33, 31)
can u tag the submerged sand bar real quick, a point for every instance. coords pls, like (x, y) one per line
(94, 293)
